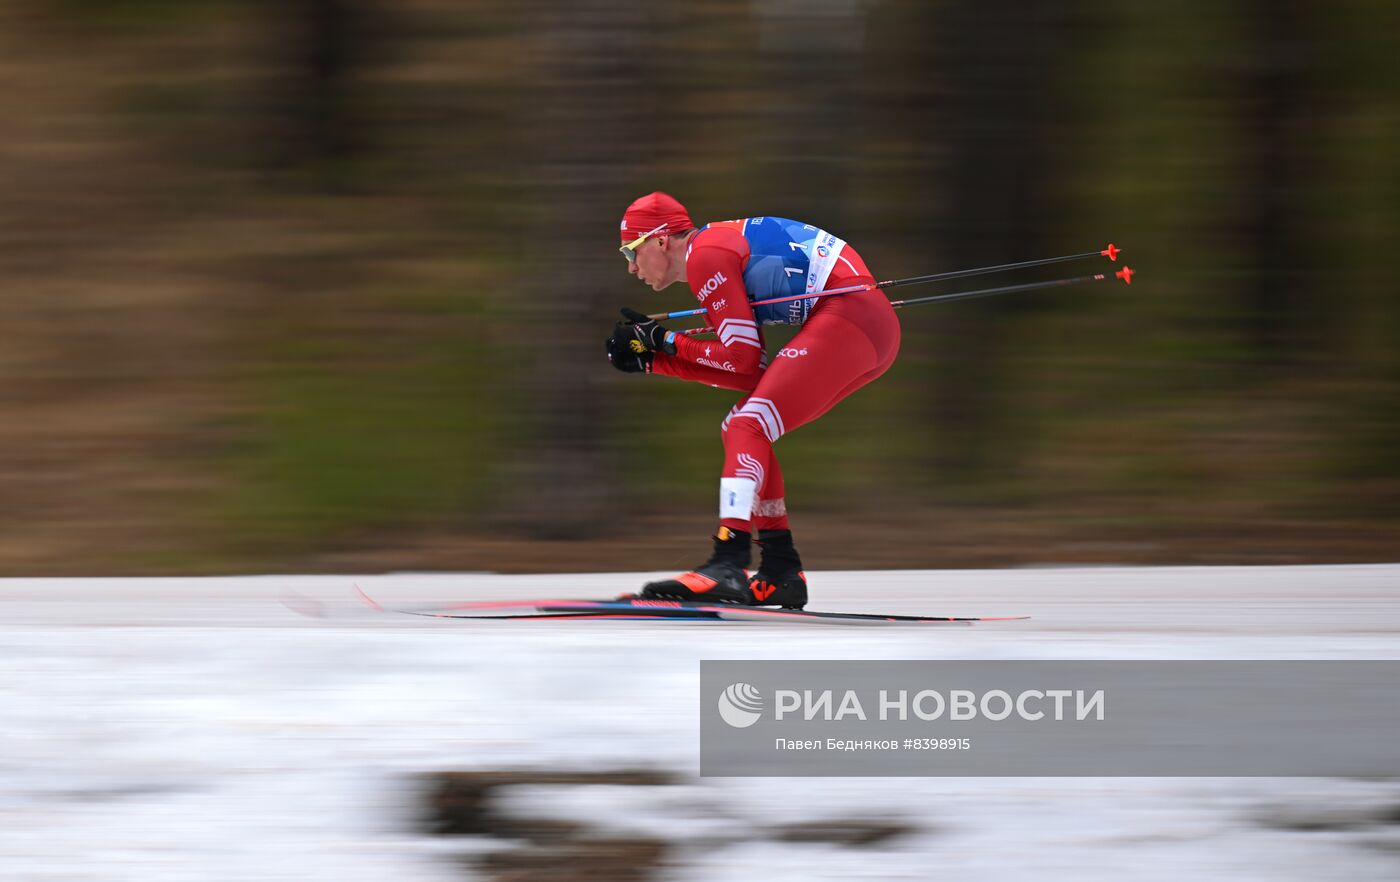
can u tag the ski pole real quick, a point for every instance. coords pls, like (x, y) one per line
(1111, 252)
(1126, 274)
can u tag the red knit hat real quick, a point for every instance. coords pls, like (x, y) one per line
(651, 211)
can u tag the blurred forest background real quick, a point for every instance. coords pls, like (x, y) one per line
(323, 284)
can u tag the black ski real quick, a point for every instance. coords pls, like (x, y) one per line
(636, 608)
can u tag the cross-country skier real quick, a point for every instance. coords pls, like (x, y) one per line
(846, 341)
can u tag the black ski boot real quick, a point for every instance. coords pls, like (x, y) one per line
(724, 579)
(779, 580)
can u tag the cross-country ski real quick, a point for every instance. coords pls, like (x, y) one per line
(639, 608)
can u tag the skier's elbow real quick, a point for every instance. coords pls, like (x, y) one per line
(749, 363)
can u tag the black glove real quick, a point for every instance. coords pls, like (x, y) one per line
(627, 361)
(646, 332)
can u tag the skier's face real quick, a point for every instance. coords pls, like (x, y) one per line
(653, 263)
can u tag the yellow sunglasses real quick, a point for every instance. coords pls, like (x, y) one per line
(629, 250)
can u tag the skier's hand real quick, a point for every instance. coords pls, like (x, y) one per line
(639, 331)
(624, 359)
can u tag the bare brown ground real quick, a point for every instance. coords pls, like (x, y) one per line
(947, 539)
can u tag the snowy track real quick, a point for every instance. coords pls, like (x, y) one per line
(192, 729)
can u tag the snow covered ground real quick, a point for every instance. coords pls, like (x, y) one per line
(198, 729)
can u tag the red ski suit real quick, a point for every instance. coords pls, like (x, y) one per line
(847, 341)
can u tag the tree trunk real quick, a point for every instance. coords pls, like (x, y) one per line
(588, 129)
(312, 116)
(1278, 161)
(807, 115)
(995, 62)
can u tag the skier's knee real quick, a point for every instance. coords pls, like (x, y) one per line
(744, 433)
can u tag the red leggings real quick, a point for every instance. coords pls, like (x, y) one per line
(847, 341)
